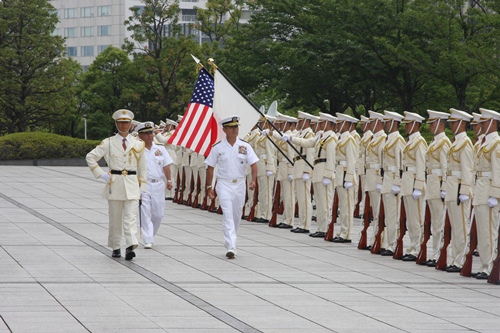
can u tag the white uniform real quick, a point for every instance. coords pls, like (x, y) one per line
(153, 201)
(231, 162)
(128, 180)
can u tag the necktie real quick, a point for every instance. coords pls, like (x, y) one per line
(124, 144)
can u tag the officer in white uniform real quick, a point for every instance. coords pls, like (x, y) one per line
(230, 155)
(172, 151)
(125, 181)
(153, 202)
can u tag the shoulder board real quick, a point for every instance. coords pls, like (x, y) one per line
(215, 144)
(240, 139)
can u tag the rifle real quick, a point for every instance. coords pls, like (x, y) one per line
(377, 244)
(182, 186)
(211, 208)
(467, 267)
(251, 215)
(441, 263)
(398, 251)
(367, 212)
(198, 191)
(191, 189)
(422, 255)
(329, 233)
(276, 203)
(495, 271)
(360, 198)
(177, 185)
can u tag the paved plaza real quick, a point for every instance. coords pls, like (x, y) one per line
(57, 275)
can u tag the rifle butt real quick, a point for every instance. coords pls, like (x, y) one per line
(443, 256)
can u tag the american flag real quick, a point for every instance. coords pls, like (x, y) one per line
(198, 129)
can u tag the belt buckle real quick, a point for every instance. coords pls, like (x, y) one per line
(124, 172)
(235, 180)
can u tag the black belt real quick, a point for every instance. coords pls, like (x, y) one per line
(123, 172)
(296, 158)
(319, 160)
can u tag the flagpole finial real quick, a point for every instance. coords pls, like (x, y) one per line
(211, 62)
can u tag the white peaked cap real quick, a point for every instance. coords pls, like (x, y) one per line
(304, 115)
(346, 117)
(364, 120)
(435, 115)
(171, 122)
(315, 119)
(123, 115)
(489, 114)
(390, 115)
(375, 115)
(411, 117)
(290, 119)
(179, 118)
(459, 115)
(327, 117)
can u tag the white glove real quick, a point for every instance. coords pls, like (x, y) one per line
(106, 177)
(463, 197)
(290, 177)
(416, 194)
(269, 173)
(347, 185)
(305, 176)
(379, 187)
(492, 202)
(395, 189)
(264, 132)
(443, 194)
(285, 138)
(326, 181)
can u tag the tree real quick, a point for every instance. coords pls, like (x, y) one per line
(163, 53)
(37, 85)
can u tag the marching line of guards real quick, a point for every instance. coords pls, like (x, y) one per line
(446, 189)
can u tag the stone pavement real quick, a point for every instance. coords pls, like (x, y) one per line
(56, 274)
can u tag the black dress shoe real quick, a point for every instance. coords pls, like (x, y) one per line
(169, 198)
(482, 276)
(431, 263)
(475, 254)
(261, 220)
(475, 274)
(341, 240)
(387, 253)
(294, 229)
(313, 218)
(301, 231)
(453, 269)
(318, 234)
(116, 253)
(129, 253)
(244, 217)
(285, 226)
(409, 257)
(368, 248)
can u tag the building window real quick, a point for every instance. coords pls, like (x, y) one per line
(189, 15)
(104, 11)
(70, 13)
(70, 32)
(85, 68)
(72, 51)
(87, 51)
(56, 32)
(87, 32)
(104, 30)
(87, 12)
(101, 48)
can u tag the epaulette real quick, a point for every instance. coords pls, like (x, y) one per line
(215, 144)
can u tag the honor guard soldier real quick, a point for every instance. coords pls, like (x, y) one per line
(413, 183)
(324, 170)
(285, 173)
(458, 187)
(437, 165)
(365, 125)
(487, 192)
(391, 183)
(373, 168)
(125, 182)
(346, 155)
(357, 138)
(153, 201)
(251, 138)
(230, 155)
(172, 152)
(267, 172)
(302, 173)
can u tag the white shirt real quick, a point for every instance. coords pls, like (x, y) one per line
(157, 158)
(231, 161)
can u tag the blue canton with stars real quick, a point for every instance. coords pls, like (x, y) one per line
(204, 89)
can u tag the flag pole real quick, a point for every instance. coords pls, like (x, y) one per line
(211, 62)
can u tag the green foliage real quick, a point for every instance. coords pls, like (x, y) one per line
(37, 145)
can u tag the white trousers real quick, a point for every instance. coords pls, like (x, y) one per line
(415, 211)
(459, 218)
(231, 199)
(487, 235)
(436, 207)
(122, 220)
(303, 190)
(346, 208)
(288, 195)
(324, 201)
(152, 207)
